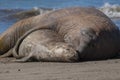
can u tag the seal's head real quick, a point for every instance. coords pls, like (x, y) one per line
(65, 53)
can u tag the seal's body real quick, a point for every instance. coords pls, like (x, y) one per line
(44, 45)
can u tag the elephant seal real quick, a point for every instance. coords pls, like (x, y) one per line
(44, 45)
(92, 34)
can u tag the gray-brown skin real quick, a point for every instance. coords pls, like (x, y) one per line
(44, 45)
(91, 33)
(9, 38)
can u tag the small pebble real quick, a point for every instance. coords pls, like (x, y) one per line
(19, 70)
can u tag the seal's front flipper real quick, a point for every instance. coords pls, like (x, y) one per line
(25, 59)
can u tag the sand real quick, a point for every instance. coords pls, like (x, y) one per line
(89, 70)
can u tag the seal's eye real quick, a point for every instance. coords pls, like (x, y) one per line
(68, 49)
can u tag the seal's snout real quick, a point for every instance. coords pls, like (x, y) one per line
(68, 54)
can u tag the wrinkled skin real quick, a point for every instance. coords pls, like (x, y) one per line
(44, 45)
(91, 33)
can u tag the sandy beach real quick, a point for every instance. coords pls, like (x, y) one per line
(89, 70)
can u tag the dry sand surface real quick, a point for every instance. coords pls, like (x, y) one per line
(90, 70)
